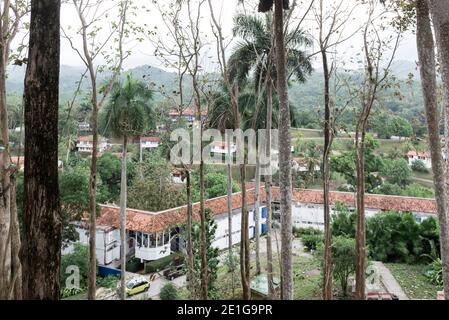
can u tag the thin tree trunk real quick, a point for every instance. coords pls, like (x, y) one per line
(123, 243)
(244, 241)
(5, 194)
(16, 267)
(42, 221)
(285, 177)
(257, 215)
(426, 54)
(268, 183)
(360, 233)
(327, 279)
(189, 237)
(229, 203)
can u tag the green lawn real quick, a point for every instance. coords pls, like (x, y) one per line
(413, 281)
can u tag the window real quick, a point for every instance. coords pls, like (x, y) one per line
(152, 240)
(145, 240)
(139, 239)
(166, 237)
(160, 239)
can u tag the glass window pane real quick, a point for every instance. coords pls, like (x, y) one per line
(152, 240)
(166, 237)
(145, 240)
(160, 239)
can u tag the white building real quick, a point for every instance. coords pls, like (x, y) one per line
(149, 142)
(221, 148)
(85, 144)
(421, 156)
(154, 235)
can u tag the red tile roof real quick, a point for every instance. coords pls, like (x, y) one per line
(189, 112)
(413, 153)
(145, 221)
(150, 139)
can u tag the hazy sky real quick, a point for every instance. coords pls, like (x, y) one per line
(143, 53)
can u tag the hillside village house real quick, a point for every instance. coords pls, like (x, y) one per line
(188, 114)
(422, 156)
(154, 235)
(149, 142)
(85, 144)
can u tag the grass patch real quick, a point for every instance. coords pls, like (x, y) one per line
(412, 280)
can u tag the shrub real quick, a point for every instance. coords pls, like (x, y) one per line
(312, 241)
(299, 232)
(343, 221)
(78, 258)
(344, 261)
(160, 264)
(133, 265)
(419, 166)
(169, 292)
(68, 292)
(107, 282)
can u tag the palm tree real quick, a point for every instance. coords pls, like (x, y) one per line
(254, 53)
(127, 115)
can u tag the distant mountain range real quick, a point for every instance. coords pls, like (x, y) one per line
(166, 81)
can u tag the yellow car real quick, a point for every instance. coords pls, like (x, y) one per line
(136, 285)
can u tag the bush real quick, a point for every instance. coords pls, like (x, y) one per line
(344, 261)
(312, 241)
(68, 292)
(343, 221)
(419, 166)
(391, 236)
(133, 265)
(299, 232)
(169, 292)
(107, 282)
(78, 258)
(160, 264)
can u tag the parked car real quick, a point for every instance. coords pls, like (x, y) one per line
(135, 286)
(174, 272)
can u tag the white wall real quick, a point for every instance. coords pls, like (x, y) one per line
(222, 234)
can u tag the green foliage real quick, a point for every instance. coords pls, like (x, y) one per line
(343, 221)
(169, 292)
(344, 261)
(128, 112)
(390, 236)
(152, 189)
(345, 164)
(312, 241)
(396, 171)
(419, 166)
(107, 282)
(418, 190)
(394, 237)
(68, 292)
(395, 126)
(211, 255)
(160, 264)
(134, 265)
(79, 258)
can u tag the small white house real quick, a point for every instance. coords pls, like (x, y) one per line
(421, 156)
(85, 144)
(149, 142)
(84, 126)
(221, 147)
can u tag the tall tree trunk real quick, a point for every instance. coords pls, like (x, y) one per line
(191, 275)
(285, 177)
(327, 279)
(5, 194)
(16, 267)
(42, 221)
(229, 204)
(244, 238)
(123, 243)
(93, 196)
(268, 183)
(203, 249)
(360, 233)
(426, 54)
(257, 215)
